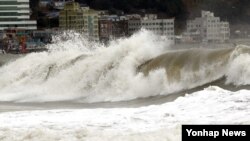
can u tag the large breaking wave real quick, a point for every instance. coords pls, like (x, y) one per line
(140, 66)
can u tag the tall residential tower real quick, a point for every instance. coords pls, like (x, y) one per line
(16, 14)
(80, 19)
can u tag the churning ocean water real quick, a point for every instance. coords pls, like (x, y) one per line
(141, 68)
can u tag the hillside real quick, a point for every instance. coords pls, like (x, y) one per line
(234, 11)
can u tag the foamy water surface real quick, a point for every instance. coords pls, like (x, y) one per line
(79, 71)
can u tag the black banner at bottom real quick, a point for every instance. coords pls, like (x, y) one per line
(215, 132)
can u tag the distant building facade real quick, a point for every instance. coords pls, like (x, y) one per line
(16, 14)
(207, 28)
(80, 19)
(120, 28)
(91, 23)
(105, 30)
(163, 27)
(71, 17)
(112, 26)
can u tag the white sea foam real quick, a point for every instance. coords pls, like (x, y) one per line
(239, 70)
(157, 122)
(76, 69)
(82, 71)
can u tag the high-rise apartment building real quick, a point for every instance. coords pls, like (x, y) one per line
(208, 28)
(80, 19)
(91, 23)
(16, 14)
(71, 17)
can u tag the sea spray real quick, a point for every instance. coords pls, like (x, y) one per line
(89, 74)
(76, 69)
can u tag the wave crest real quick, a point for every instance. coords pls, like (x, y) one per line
(129, 68)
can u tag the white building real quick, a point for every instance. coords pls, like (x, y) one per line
(16, 14)
(208, 28)
(164, 27)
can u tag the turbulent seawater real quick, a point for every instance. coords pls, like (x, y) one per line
(135, 88)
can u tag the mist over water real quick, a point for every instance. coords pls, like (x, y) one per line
(75, 69)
